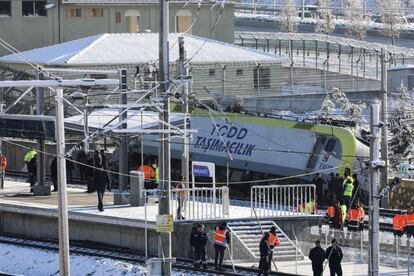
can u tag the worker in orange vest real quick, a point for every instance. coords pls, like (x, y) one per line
(353, 218)
(3, 161)
(410, 222)
(273, 242)
(361, 212)
(330, 213)
(221, 241)
(398, 224)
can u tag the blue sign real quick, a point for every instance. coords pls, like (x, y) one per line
(199, 170)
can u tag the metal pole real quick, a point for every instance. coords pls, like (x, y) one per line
(185, 162)
(384, 118)
(86, 122)
(64, 259)
(374, 208)
(123, 150)
(303, 9)
(164, 248)
(40, 103)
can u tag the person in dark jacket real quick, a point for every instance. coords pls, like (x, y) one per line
(69, 168)
(221, 241)
(198, 240)
(334, 255)
(264, 255)
(89, 173)
(319, 183)
(97, 159)
(317, 256)
(338, 187)
(103, 157)
(53, 174)
(81, 158)
(100, 181)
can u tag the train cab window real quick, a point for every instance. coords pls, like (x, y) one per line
(330, 145)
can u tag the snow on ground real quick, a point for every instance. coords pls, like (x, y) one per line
(28, 261)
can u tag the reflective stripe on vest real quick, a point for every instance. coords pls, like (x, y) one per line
(410, 220)
(221, 237)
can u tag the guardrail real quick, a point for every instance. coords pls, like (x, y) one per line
(200, 203)
(283, 200)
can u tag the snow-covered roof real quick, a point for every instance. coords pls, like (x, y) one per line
(401, 67)
(408, 52)
(135, 49)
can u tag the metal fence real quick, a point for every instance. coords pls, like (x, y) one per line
(200, 203)
(283, 200)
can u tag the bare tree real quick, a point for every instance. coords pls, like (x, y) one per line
(288, 16)
(325, 23)
(354, 13)
(392, 18)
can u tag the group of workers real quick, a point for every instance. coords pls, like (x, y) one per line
(199, 239)
(338, 216)
(333, 254)
(404, 223)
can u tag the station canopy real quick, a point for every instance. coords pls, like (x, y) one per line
(122, 49)
(370, 46)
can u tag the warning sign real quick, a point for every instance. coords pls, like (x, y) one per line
(164, 224)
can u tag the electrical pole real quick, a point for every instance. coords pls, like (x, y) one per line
(123, 150)
(185, 165)
(384, 133)
(64, 258)
(373, 266)
(41, 168)
(164, 247)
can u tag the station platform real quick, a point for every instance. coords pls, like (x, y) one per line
(23, 214)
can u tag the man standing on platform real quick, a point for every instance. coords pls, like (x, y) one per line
(317, 256)
(334, 255)
(31, 163)
(221, 241)
(264, 255)
(100, 181)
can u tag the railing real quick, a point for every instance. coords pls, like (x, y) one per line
(283, 200)
(200, 203)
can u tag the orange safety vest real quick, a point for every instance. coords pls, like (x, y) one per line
(331, 211)
(353, 215)
(149, 172)
(220, 237)
(410, 219)
(3, 162)
(398, 222)
(273, 240)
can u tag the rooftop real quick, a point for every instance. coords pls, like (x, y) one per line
(136, 49)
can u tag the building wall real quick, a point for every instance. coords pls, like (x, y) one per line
(399, 77)
(26, 33)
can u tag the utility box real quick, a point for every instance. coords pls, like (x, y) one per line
(155, 266)
(136, 197)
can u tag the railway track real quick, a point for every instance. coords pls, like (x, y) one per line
(184, 266)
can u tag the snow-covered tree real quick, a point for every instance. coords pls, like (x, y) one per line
(354, 13)
(401, 145)
(288, 16)
(337, 106)
(325, 23)
(392, 18)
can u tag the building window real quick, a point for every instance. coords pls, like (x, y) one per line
(93, 12)
(34, 8)
(5, 8)
(239, 72)
(73, 12)
(263, 77)
(132, 23)
(211, 72)
(117, 17)
(183, 21)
